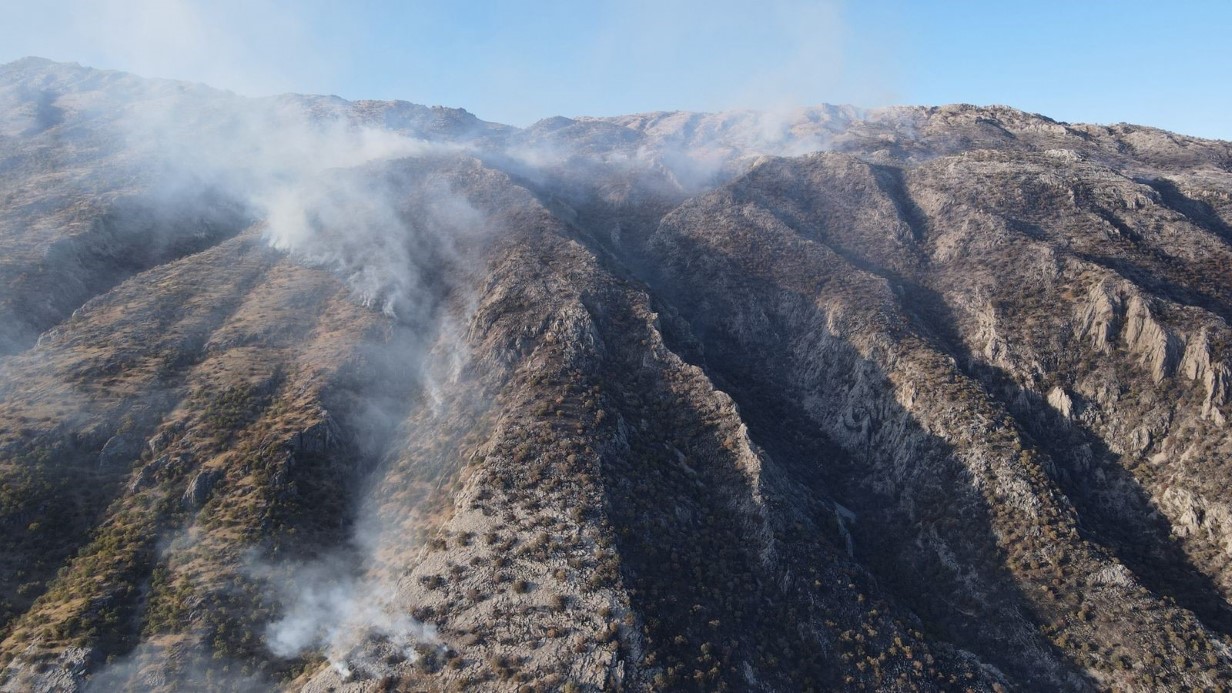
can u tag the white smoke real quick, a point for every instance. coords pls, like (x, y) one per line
(331, 610)
(378, 209)
(322, 183)
(379, 230)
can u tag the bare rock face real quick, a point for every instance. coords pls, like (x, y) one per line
(119, 450)
(1060, 400)
(68, 671)
(908, 399)
(199, 489)
(318, 438)
(1214, 376)
(1154, 345)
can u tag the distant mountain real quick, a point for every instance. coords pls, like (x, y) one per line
(310, 394)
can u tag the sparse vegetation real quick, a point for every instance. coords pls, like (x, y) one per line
(943, 410)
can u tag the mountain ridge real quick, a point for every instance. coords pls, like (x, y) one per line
(374, 396)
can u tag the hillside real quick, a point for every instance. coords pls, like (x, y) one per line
(310, 394)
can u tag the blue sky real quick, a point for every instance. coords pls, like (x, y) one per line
(1157, 63)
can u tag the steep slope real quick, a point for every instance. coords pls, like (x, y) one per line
(1008, 501)
(657, 402)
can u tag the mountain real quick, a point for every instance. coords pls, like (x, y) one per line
(308, 394)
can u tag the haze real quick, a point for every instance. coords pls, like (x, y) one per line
(1146, 63)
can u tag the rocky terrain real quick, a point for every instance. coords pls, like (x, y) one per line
(306, 394)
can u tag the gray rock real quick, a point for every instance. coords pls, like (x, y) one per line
(316, 439)
(120, 450)
(200, 488)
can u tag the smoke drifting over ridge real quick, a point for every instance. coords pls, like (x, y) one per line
(377, 194)
(432, 402)
(317, 184)
(372, 207)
